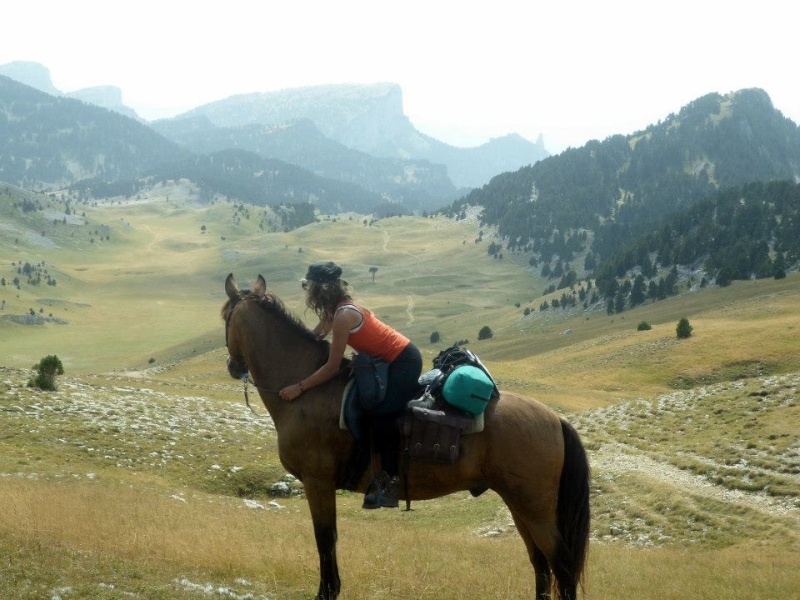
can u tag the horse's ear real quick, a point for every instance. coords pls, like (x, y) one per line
(230, 287)
(261, 285)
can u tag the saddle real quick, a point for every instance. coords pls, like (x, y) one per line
(432, 430)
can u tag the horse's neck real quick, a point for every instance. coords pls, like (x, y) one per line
(280, 356)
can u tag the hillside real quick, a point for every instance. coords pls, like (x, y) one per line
(411, 184)
(737, 234)
(55, 141)
(621, 188)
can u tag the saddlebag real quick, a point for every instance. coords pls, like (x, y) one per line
(433, 435)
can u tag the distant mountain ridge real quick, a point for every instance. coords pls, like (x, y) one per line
(416, 184)
(37, 76)
(106, 96)
(370, 118)
(366, 119)
(53, 141)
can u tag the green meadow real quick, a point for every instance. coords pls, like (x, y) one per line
(145, 475)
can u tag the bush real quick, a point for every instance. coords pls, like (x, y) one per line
(684, 329)
(485, 333)
(47, 369)
(435, 337)
(644, 326)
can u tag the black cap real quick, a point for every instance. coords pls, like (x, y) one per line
(324, 272)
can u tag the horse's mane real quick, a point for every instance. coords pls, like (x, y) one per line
(275, 306)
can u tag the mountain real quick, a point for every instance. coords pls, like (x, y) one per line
(370, 118)
(474, 167)
(57, 141)
(106, 96)
(247, 177)
(37, 76)
(709, 195)
(622, 187)
(415, 184)
(50, 140)
(354, 134)
(32, 74)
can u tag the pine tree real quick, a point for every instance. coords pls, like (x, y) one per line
(684, 329)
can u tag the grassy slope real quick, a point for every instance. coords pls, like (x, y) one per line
(124, 485)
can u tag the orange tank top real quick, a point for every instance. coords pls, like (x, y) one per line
(373, 336)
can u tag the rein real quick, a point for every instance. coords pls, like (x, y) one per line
(247, 379)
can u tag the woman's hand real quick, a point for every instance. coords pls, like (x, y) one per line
(291, 392)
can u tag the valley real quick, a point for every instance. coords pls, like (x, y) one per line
(146, 476)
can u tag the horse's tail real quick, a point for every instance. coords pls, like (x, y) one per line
(572, 515)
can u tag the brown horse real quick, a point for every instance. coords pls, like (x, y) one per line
(527, 454)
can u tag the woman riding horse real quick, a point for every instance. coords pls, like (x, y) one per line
(351, 324)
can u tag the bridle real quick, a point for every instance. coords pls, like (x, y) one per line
(244, 377)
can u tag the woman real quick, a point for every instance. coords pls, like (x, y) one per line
(351, 324)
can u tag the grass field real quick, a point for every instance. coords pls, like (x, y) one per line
(145, 476)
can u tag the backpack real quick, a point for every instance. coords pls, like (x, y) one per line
(461, 380)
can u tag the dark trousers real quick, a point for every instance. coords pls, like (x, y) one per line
(402, 386)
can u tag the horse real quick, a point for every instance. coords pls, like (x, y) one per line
(529, 455)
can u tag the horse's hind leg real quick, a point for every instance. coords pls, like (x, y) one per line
(539, 561)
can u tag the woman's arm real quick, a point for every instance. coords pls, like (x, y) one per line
(322, 329)
(342, 322)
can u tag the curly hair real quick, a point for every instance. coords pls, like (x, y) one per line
(323, 298)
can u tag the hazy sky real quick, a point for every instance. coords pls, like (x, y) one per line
(570, 70)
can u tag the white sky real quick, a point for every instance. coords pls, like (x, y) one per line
(570, 70)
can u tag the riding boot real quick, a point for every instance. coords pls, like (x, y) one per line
(382, 492)
(391, 493)
(374, 496)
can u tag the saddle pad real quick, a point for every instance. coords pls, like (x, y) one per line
(345, 394)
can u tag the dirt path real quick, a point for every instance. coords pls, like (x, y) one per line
(618, 459)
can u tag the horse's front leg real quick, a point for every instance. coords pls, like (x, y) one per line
(321, 496)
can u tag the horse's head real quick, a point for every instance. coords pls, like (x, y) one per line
(237, 367)
(265, 339)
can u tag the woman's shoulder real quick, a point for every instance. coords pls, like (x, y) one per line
(349, 314)
(349, 305)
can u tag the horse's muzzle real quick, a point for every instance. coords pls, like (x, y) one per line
(236, 370)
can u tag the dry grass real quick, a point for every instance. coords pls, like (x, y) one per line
(203, 537)
(96, 539)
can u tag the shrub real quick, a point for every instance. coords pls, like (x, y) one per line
(485, 333)
(47, 369)
(684, 329)
(644, 326)
(435, 337)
